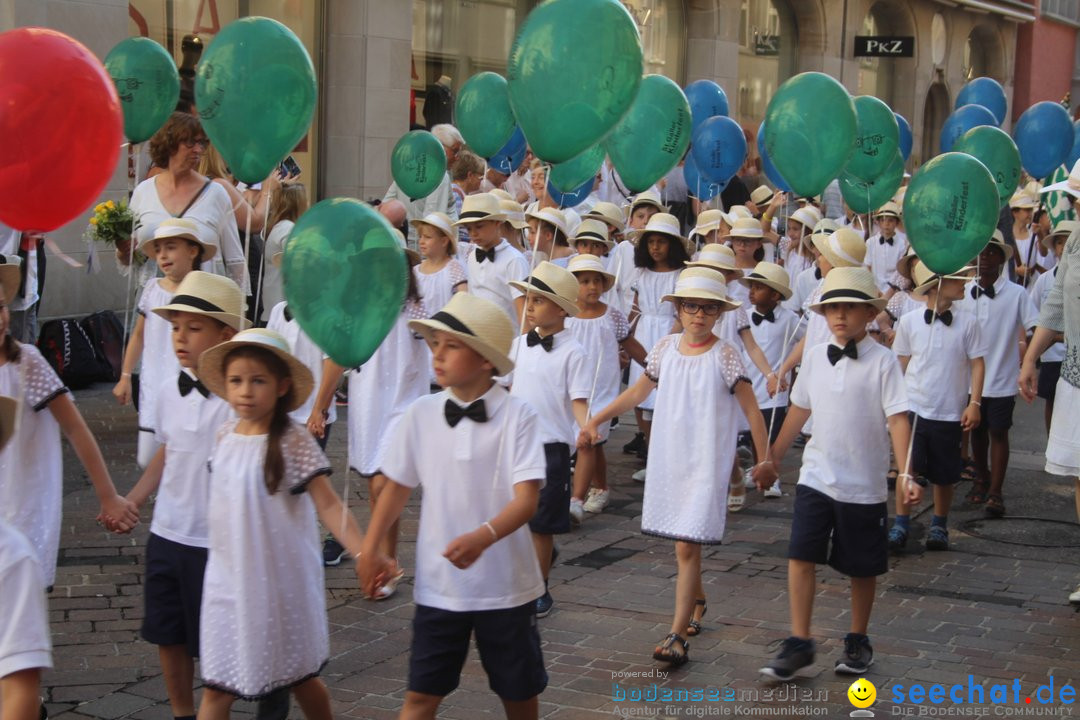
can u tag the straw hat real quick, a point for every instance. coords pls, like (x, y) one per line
(501, 194)
(1070, 185)
(747, 228)
(769, 274)
(8, 408)
(1065, 227)
(806, 200)
(738, 211)
(806, 216)
(849, 285)
(10, 276)
(825, 226)
(480, 207)
(898, 196)
(1022, 199)
(903, 265)
(204, 293)
(441, 222)
(590, 263)
(707, 221)
(212, 363)
(701, 284)
(648, 197)
(715, 257)
(998, 239)
(609, 213)
(889, 209)
(843, 248)
(479, 323)
(573, 220)
(515, 214)
(553, 282)
(593, 231)
(762, 195)
(178, 228)
(552, 217)
(926, 279)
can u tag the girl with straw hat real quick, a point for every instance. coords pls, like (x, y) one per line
(794, 251)
(439, 275)
(689, 461)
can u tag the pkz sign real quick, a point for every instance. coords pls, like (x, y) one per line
(884, 46)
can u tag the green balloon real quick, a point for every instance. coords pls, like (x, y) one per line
(572, 174)
(653, 136)
(876, 141)
(996, 150)
(573, 71)
(255, 90)
(810, 129)
(864, 197)
(483, 113)
(950, 211)
(147, 82)
(418, 163)
(345, 278)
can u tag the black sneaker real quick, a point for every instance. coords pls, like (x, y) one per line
(544, 603)
(332, 552)
(858, 655)
(634, 445)
(795, 654)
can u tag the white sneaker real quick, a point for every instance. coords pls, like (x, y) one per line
(1074, 598)
(597, 500)
(639, 476)
(774, 491)
(577, 511)
(748, 477)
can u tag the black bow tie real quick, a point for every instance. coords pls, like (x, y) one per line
(835, 353)
(288, 314)
(533, 338)
(886, 241)
(474, 411)
(186, 383)
(977, 291)
(945, 317)
(482, 255)
(757, 317)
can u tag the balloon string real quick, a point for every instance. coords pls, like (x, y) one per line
(596, 372)
(262, 258)
(348, 482)
(247, 248)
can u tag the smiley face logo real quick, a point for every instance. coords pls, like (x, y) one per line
(862, 693)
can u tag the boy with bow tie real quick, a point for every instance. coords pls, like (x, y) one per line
(493, 262)
(476, 451)
(885, 248)
(941, 350)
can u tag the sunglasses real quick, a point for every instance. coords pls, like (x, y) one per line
(692, 308)
(201, 142)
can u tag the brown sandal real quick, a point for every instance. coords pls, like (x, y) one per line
(665, 652)
(995, 505)
(694, 628)
(977, 494)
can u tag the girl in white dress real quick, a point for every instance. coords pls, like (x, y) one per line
(380, 391)
(701, 387)
(178, 248)
(439, 275)
(31, 465)
(602, 330)
(289, 203)
(794, 246)
(263, 619)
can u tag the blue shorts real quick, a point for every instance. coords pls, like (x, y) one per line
(172, 593)
(851, 538)
(935, 451)
(553, 512)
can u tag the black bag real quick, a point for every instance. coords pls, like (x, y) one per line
(107, 336)
(68, 348)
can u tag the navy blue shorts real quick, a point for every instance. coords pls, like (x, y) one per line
(508, 642)
(851, 538)
(553, 512)
(1049, 372)
(775, 416)
(997, 413)
(172, 594)
(935, 451)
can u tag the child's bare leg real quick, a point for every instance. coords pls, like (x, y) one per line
(687, 584)
(943, 495)
(420, 706)
(583, 471)
(178, 670)
(313, 699)
(215, 705)
(522, 709)
(801, 576)
(600, 469)
(862, 602)
(389, 543)
(999, 459)
(980, 447)
(19, 694)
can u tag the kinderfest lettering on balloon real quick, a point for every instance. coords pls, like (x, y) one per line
(675, 134)
(957, 217)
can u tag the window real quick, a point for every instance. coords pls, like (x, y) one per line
(769, 43)
(1064, 10)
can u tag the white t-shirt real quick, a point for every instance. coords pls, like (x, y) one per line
(847, 457)
(188, 426)
(550, 382)
(307, 352)
(805, 283)
(1001, 320)
(10, 240)
(775, 339)
(468, 473)
(939, 373)
(881, 258)
(489, 280)
(273, 291)
(1039, 292)
(24, 624)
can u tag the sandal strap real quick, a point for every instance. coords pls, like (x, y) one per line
(670, 640)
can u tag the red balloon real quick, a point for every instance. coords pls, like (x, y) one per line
(61, 125)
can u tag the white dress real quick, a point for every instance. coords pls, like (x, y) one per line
(31, 466)
(158, 358)
(656, 317)
(692, 446)
(436, 290)
(381, 389)
(273, 291)
(601, 337)
(263, 619)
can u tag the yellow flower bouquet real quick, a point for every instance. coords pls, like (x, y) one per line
(111, 224)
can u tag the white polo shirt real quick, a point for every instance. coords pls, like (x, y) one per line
(489, 280)
(24, 624)
(847, 457)
(805, 282)
(1001, 320)
(939, 373)
(468, 473)
(187, 426)
(307, 352)
(550, 381)
(881, 259)
(1039, 292)
(775, 340)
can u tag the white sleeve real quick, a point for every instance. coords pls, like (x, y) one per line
(579, 375)
(400, 462)
(893, 390)
(528, 462)
(1029, 314)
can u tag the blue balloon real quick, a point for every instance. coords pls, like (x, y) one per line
(962, 120)
(511, 155)
(905, 135)
(719, 148)
(572, 198)
(1044, 136)
(1074, 154)
(766, 164)
(986, 92)
(707, 99)
(700, 186)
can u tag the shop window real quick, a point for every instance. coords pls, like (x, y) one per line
(769, 42)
